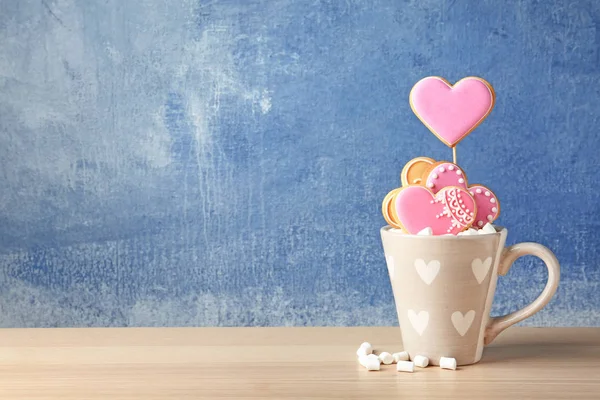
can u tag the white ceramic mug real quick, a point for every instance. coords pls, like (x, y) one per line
(444, 287)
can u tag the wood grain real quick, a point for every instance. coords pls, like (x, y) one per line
(284, 363)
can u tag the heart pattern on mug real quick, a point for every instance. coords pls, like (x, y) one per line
(427, 271)
(418, 321)
(390, 264)
(481, 268)
(451, 112)
(443, 174)
(450, 210)
(461, 322)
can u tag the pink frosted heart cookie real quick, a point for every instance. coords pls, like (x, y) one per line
(488, 208)
(417, 208)
(443, 174)
(451, 112)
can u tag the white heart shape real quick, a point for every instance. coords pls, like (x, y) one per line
(390, 264)
(428, 271)
(481, 268)
(419, 321)
(461, 322)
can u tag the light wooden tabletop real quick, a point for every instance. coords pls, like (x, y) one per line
(284, 363)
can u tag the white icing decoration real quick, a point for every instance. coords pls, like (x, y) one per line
(442, 169)
(458, 172)
(460, 218)
(451, 167)
(429, 184)
(478, 191)
(494, 209)
(487, 193)
(490, 218)
(461, 180)
(480, 223)
(492, 200)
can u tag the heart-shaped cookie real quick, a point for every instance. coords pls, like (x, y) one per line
(444, 173)
(387, 208)
(451, 112)
(450, 210)
(414, 170)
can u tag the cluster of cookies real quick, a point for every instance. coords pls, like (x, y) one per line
(437, 195)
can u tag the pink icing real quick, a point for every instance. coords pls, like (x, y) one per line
(449, 174)
(451, 112)
(445, 212)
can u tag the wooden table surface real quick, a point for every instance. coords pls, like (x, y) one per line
(284, 363)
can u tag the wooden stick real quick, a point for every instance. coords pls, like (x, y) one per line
(454, 154)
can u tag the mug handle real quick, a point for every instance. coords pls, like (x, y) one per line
(509, 256)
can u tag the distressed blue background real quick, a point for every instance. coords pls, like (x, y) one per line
(223, 162)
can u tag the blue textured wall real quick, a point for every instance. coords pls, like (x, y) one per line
(223, 162)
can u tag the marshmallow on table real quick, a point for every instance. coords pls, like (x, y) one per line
(487, 228)
(447, 363)
(364, 358)
(386, 358)
(405, 366)
(421, 361)
(370, 362)
(426, 232)
(364, 349)
(402, 356)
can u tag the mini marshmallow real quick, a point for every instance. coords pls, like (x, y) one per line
(405, 366)
(370, 362)
(426, 232)
(402, 356)
(487, 228)
(447, 363)
(362, 360)
(373, 365)
(468, 232)
(364, 349)
(421, 361)
(386, 358)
